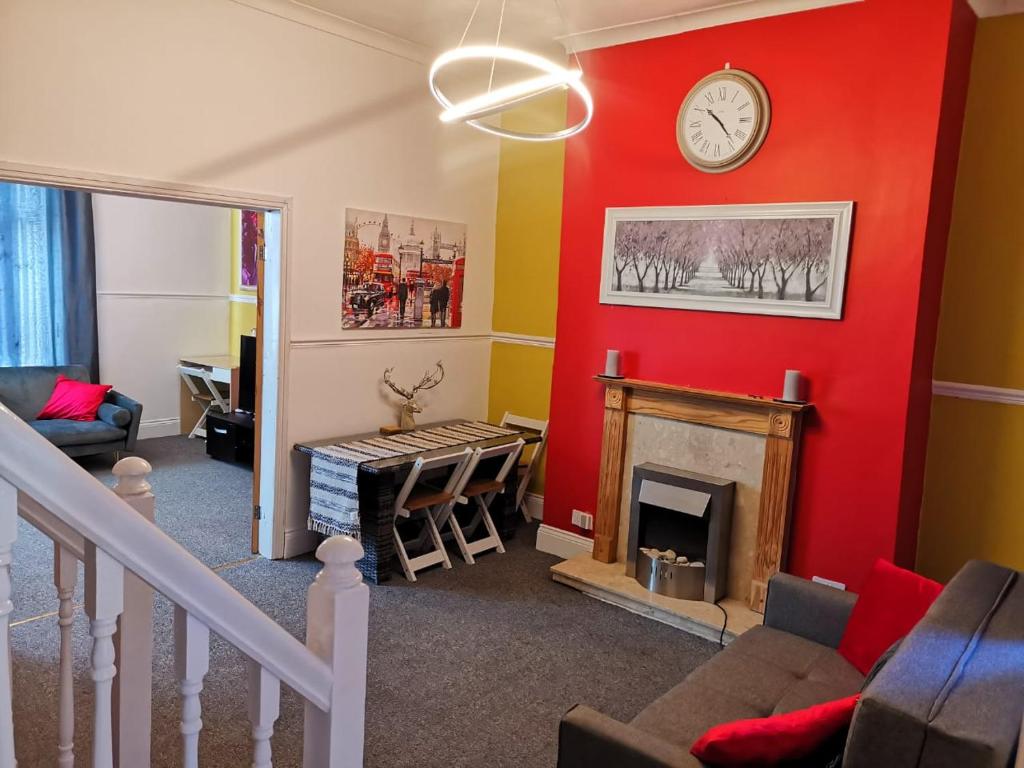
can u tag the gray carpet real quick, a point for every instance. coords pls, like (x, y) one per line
(468, 667)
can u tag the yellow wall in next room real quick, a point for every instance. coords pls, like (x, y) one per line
(242, 316)
(527, 244)
(974, 486)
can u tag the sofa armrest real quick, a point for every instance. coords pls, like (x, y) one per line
(588, 739)
(812, 611)
(132, 406)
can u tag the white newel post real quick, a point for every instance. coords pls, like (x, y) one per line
(133, 643)
(8, 533)
(65, 576)
(337, 613)
(104, 601)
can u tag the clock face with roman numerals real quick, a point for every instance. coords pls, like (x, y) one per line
(723, 121)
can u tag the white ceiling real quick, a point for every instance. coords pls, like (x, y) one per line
(437, 24)
(419, 29)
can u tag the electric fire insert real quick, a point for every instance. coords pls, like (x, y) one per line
(679, 527)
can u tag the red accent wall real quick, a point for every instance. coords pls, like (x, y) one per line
(859, 93)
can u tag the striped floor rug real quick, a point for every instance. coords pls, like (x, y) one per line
(334, 469)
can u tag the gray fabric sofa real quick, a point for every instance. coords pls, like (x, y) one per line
(952, 693)
(26, 390)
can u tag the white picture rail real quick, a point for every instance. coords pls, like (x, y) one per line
(770, 259)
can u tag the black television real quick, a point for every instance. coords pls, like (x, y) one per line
(247, 375)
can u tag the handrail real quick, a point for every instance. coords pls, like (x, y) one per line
(52, 526)
(40, 470)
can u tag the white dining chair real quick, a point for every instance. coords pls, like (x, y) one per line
(528, 463)
(430, 504)
(481, 487)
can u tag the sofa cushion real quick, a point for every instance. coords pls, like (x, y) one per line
(114, 415)
(75, 400)
(772, 740)
(892, 601)
(63, 432)
(762, 672)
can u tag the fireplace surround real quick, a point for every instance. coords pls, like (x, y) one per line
(777, 425)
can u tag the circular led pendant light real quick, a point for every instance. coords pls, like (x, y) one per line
(472, 110)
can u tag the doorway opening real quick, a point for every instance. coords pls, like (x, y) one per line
(189, 287)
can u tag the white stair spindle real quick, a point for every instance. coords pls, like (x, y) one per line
(192, 662)
(65, 576)
(264, 708)
(8, 534)
(104, 601)
(337, 612)
(133, 688)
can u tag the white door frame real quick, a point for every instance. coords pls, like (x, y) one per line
(273, 511)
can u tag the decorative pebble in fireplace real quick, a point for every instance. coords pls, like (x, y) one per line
(679, 526)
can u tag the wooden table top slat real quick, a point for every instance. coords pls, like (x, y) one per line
(528, 436)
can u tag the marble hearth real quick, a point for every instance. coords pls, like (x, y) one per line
(752, 441)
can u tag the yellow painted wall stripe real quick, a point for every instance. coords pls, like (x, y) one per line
(527, 246)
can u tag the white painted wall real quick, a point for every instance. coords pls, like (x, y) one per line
(162, 281)
(217, 93)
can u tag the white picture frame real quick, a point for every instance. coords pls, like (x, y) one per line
(729, 258)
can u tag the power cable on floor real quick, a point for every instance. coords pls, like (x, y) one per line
(725, 622)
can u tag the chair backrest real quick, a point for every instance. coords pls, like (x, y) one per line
(540, 425)
(512, 420)
(459, 460)
(510, 450)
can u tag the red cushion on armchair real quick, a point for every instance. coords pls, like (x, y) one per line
(764, 741)
(74, 400)
(892, 601)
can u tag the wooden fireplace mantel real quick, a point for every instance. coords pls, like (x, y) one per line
(779, 422)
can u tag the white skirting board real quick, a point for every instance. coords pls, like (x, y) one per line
(150, 428)
(555, 541)
(535, 503)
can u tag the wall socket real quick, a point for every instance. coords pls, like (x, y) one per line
(828, 582)
(584, 520)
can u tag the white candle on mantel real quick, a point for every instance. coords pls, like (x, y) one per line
(611, 363)
(791, 387)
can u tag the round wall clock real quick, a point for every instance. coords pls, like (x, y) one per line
(723, 121)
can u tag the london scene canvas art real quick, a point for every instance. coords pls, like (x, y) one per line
(402, 271)
(787, 259)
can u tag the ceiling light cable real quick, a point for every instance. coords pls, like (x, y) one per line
(568, 34)
(497, 44)
(469, 24)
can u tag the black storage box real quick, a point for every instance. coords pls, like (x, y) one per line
(230, 437)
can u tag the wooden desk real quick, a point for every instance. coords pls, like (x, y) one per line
(206, 373)
(378, 480)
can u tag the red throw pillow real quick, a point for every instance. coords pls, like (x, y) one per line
(892, 601)
(75, 400)
(772, 740)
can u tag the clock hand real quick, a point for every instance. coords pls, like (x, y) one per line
(720, 123)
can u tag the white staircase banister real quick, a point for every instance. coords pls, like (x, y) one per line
(41, 471)
(55, 529)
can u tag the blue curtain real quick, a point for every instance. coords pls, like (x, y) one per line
(47, 278)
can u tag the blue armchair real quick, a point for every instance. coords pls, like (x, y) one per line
(26, 390)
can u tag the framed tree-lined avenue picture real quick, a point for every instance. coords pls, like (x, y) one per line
(772, 259)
